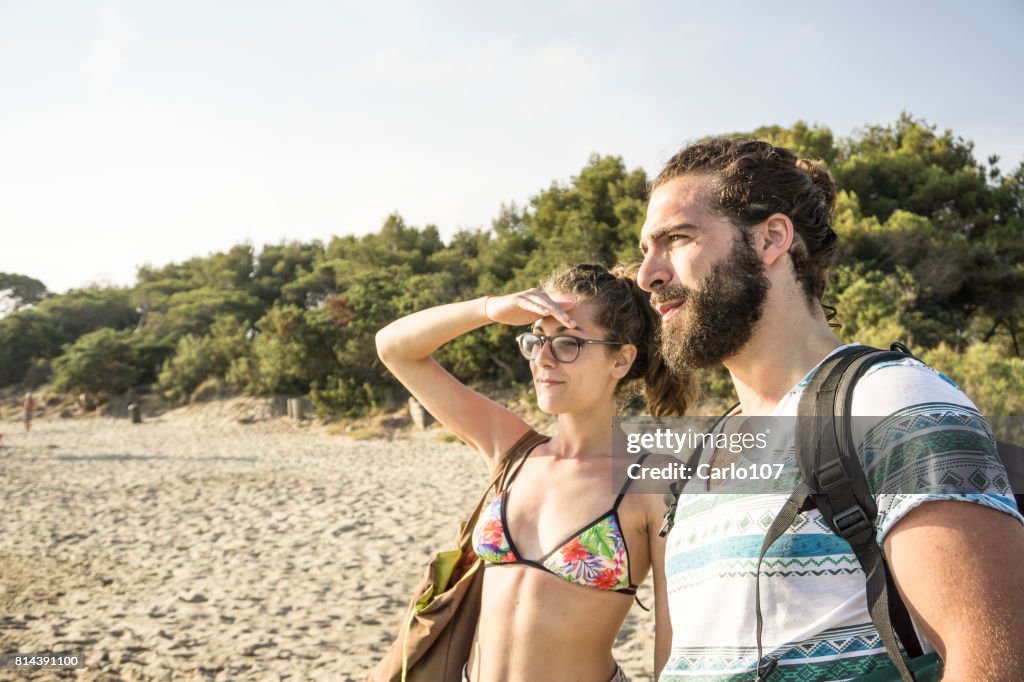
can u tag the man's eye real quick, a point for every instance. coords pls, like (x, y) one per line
(676, 238)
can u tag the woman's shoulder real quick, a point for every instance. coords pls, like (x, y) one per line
(514, 446)
(528, 439)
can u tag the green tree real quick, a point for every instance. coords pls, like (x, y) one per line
(992, 380)
(34, 335)
(280, 265)
(103, 362)
(25, 337)
(806, 141)
(931, 252)
(910, 166)
(596, 218)
(197, 359)
(877, 308)
(81, 311)
(193, 312)
(18, 291)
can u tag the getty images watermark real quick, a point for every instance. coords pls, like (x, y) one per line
(707, 455)
(666, 440)
(743, 455)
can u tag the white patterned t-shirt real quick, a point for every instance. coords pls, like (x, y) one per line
(813, 600)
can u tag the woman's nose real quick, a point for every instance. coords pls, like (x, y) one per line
(544, 355)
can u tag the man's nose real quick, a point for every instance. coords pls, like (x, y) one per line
(654, 272)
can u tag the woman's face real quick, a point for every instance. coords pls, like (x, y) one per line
(590, 379)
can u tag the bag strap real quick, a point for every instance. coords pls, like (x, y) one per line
(514, 457)
(676, 488)
(797, 501)
(834, 479)
(793, 506)
(843, 495)
(901, 622)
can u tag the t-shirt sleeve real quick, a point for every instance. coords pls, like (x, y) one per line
(921, 440)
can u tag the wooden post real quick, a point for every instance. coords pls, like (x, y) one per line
(279, 406)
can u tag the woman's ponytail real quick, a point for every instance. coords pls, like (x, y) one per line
(668, 393)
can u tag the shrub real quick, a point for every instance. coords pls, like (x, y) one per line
(993, 381)
(198, 359)
(208, 390)
(347, 396)
(101, 362)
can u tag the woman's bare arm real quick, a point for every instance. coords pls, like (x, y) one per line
(406, 345)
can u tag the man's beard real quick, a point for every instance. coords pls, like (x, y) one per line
(718, 318)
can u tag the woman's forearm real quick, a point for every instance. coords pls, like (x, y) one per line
(415, 337)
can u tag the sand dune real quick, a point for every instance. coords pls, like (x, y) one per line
(193, 547)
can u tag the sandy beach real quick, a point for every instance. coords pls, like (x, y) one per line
(197, 547)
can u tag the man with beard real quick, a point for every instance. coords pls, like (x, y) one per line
(736, 245)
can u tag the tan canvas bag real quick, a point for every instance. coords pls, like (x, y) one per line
(440, 623)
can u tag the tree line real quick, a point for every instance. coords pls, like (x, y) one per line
(931, 253)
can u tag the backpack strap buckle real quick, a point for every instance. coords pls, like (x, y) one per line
(668, 521)
(671, 499)
(832, 476)
(853, 525)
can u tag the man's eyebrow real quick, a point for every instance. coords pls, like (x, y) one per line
(661, 232)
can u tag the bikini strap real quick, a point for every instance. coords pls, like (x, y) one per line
(625, 486)
(500, 477)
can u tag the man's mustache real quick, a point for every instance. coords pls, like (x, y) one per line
(671, 294)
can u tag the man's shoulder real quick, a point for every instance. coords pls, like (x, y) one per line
(898, 385)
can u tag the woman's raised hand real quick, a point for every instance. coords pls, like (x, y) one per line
(527, 306)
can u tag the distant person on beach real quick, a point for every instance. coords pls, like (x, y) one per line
(563, 553)
(30, 406)
(736, 244)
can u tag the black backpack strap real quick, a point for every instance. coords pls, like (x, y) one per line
(899, 616)
(676, 489)
(793, 506)
(834, 481)
(803, 496)
(830, 466)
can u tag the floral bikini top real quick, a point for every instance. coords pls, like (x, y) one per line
(594, 556)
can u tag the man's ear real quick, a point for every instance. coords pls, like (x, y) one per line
(774, 237)
(624, 360)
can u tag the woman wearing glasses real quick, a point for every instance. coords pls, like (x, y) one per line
(563, 553)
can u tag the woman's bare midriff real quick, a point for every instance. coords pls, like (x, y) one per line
(535, 626)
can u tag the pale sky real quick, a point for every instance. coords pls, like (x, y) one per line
(150, 132)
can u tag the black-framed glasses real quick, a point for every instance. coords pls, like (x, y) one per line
(564, 348)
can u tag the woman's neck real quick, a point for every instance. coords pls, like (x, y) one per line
(584, 434)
